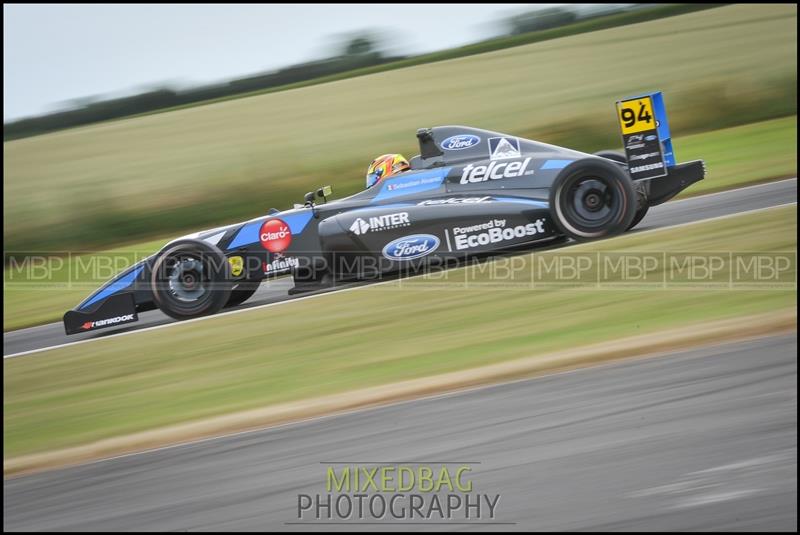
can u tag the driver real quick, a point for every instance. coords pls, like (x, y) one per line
(385, 166)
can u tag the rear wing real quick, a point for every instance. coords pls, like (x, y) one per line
(645, 135)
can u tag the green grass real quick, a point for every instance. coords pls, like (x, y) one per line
(376, 335)
(742, 155)
(96, 186)
(734, 156)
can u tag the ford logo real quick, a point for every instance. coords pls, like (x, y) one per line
(460, 142)
(410, 247)
(650, 138)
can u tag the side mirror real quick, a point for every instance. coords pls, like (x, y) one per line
(309, 198)
(324, 192)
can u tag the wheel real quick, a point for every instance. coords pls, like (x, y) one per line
(613, 155)
(592, 198)
(641, 194)
(190, 278)
(642, 206)
(242, 292)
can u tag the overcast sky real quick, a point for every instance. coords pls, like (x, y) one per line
(55, 53)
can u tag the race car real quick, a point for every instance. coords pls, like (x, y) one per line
(468, 192)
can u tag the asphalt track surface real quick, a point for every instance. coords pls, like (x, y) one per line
(699, 440)
(671, 213)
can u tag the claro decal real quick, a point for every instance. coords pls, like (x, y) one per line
(410, 247)
(275, 235)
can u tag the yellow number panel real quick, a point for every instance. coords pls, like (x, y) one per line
(636, 115)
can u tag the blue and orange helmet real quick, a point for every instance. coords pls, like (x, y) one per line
(385, 166)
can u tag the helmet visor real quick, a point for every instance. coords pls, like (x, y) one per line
(372, 179)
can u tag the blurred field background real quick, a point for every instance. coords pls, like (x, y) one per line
(109, 388)
(130, 180)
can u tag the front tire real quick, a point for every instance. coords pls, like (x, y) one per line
(591, 199)
(190, 278)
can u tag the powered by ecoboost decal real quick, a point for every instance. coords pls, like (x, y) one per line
(496, 170)
(494, 231)
(378, 223)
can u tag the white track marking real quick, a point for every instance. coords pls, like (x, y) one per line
(267, 305)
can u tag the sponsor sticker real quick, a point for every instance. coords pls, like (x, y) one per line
(454, 200)
(275, 235)
(378, 223)
(237, 265)
(635, 141)
(410, 247)
(501, 148)
(109, 321)
(281, 263)
(494, 231)
(474, 174)
(460, 142)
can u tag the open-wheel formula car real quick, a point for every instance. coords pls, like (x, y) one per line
(468, 192)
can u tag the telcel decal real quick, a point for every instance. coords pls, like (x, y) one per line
(494, 231)
(460, 142)
(410, 247)
(454, 200)
(473, 174)
(377, 223)
(109, 321)
(275, 235)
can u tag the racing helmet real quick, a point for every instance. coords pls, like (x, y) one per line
(385, 166)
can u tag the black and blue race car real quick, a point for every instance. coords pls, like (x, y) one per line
(468, 192)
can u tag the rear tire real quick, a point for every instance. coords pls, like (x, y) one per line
(641, 194)
(591, 199)
(190, 278)
(613, 155)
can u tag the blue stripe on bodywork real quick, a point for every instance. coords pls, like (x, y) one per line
(408, 184)
(249, 233)
(376, 206)
(532, 202)
(555, 164)
(120, 284)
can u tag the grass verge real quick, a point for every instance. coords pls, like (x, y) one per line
(468, 318)
(734, 156)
